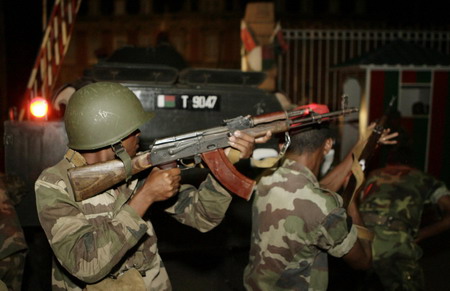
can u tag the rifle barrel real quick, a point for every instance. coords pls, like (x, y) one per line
(317, 118)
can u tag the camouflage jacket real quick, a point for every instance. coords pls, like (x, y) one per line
(102, 236)
(295, 225)
(12, 239)
(392, 206)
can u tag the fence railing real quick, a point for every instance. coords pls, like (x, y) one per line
(305, 71)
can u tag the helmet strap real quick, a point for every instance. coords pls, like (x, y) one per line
(122, 154)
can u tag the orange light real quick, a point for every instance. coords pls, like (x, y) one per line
(39, 107)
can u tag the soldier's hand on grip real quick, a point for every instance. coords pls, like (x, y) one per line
(160, 185)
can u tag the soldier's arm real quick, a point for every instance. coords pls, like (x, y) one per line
(203, 208)
(440, 225)
(360, 255)
(338, 176)
(86, 251)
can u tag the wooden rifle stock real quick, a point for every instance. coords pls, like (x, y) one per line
(89, 180)
(357, 177)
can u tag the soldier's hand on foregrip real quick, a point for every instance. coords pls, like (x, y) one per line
(387, 138)
(246, 143)
(264, 139)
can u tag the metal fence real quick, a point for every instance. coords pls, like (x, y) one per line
(305, 72)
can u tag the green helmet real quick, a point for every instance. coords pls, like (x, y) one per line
(102, 114)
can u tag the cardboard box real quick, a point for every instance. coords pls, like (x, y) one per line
(260, 19)
(260, 12)
(262, 32)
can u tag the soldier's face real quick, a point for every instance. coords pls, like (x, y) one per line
(131, 143)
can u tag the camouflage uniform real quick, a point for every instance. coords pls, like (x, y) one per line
(392, 209)
(12, 242)
(102, 237)
(296, 224)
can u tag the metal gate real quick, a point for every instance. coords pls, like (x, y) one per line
(305, 71)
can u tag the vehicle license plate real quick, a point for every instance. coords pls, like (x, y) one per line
(188, 102)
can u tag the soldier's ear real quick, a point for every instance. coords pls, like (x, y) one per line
(328, 146)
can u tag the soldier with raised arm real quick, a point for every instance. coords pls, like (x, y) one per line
(298, 221)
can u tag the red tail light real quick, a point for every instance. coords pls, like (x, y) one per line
(39, 107)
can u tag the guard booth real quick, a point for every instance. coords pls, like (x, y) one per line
(419, 79)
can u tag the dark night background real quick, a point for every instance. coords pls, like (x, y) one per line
(21, 34)
(21, 30)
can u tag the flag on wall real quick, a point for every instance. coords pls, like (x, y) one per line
(268, 57)
(166, 101)
(277, 40)
(247, 37)
(254, 59)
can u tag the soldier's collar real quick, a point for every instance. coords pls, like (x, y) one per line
(298, 167)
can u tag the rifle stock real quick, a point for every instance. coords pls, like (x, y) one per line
(90, 180)
(356, 180)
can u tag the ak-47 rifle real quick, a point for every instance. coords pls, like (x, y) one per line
(208, 144)
(362, 158)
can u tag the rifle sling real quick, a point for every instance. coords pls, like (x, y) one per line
(233, 155)
(359, 176)
(122, 154)
(364, 233)
(359, 148)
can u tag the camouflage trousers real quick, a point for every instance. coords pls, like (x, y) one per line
(400, 274)
(11, 270)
